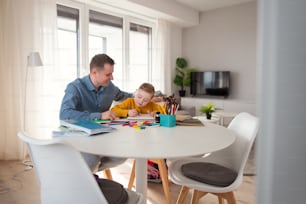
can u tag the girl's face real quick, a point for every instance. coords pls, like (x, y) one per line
(142, 98)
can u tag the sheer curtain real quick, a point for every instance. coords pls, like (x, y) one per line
(23, 30)
(28, 26)
(163, 55)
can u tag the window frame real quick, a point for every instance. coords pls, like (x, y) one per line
(83, 49)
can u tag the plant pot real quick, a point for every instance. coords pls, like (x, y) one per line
(182, 93)
(208, 116)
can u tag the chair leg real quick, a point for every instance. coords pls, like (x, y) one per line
(132, 176)
(182, 195)
(108, 174)
(196, 195)
(220, 200)
(229, 197)
(164, 177)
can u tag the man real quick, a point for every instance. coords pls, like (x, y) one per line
(90, 98)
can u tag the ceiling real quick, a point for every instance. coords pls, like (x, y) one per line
(184, 13)
(205, 5)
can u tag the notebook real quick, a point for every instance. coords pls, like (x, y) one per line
(141, 117)
(89, 127)
(189, 122)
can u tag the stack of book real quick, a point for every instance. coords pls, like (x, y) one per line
(186, 120)
(81, 128)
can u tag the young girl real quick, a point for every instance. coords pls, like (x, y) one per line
(141, 104)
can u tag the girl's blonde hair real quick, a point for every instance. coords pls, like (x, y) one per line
(147, 87)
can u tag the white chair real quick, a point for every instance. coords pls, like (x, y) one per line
(63, 175)
(233, 157)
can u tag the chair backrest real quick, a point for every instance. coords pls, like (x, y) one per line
(245, 126)
(62, 172)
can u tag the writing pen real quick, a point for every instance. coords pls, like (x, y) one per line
(101, 121)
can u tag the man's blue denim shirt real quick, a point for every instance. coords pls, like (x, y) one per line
(83, 102)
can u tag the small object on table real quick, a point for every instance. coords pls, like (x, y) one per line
(157, 117)
(167, 120)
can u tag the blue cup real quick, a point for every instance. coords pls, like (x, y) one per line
(167, 120)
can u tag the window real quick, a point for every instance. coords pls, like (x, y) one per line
(140, 57)
(106, 36)
(128, 42)
(68, 41)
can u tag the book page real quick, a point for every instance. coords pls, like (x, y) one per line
(141, 117)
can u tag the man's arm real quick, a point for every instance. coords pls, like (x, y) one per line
(69, 107)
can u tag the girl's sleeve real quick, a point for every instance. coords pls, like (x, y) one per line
(159, 108)
(122, 109)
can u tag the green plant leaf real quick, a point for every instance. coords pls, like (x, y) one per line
(181, 62)
(178, 80)
(187, 81)
(209, 108)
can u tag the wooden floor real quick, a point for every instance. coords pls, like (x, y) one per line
(18, 186)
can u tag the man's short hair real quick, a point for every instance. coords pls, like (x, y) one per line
(100, 60)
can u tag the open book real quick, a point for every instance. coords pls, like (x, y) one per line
(91, 128)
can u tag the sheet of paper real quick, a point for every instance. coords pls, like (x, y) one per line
(142, 117)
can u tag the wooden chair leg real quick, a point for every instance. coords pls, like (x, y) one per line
(229, 197)
(164, 177)
(220, 200)
(132, 176)
(108, 174)
(182, 196)
(196, 195)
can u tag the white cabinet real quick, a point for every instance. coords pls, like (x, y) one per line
(228, 105)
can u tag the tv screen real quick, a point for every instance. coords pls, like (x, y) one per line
(215, 83)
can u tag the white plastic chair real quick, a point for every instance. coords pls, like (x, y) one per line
(63, 175)
(234, 157)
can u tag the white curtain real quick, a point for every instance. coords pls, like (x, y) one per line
(163, 55)
(26, 26)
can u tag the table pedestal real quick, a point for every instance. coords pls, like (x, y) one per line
(141, 177)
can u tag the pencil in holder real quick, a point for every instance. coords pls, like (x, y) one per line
(167, 120)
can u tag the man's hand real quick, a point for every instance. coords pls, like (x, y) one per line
(108, 115)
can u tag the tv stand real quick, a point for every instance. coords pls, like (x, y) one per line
(226, 104)
(208, 96)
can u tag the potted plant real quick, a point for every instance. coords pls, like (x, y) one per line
(182, 77)
(209, 109)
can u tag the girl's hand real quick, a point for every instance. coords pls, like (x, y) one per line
(132, 113)
(152, 114)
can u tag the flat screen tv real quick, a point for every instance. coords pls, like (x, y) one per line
(213, 83)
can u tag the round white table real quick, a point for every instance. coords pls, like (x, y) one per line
(154, 142)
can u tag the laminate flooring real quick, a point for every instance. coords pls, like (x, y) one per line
(18, 185)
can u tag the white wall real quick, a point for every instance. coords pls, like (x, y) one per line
(176, 51)
(225, 39)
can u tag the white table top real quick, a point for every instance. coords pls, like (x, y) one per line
(156, 142)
